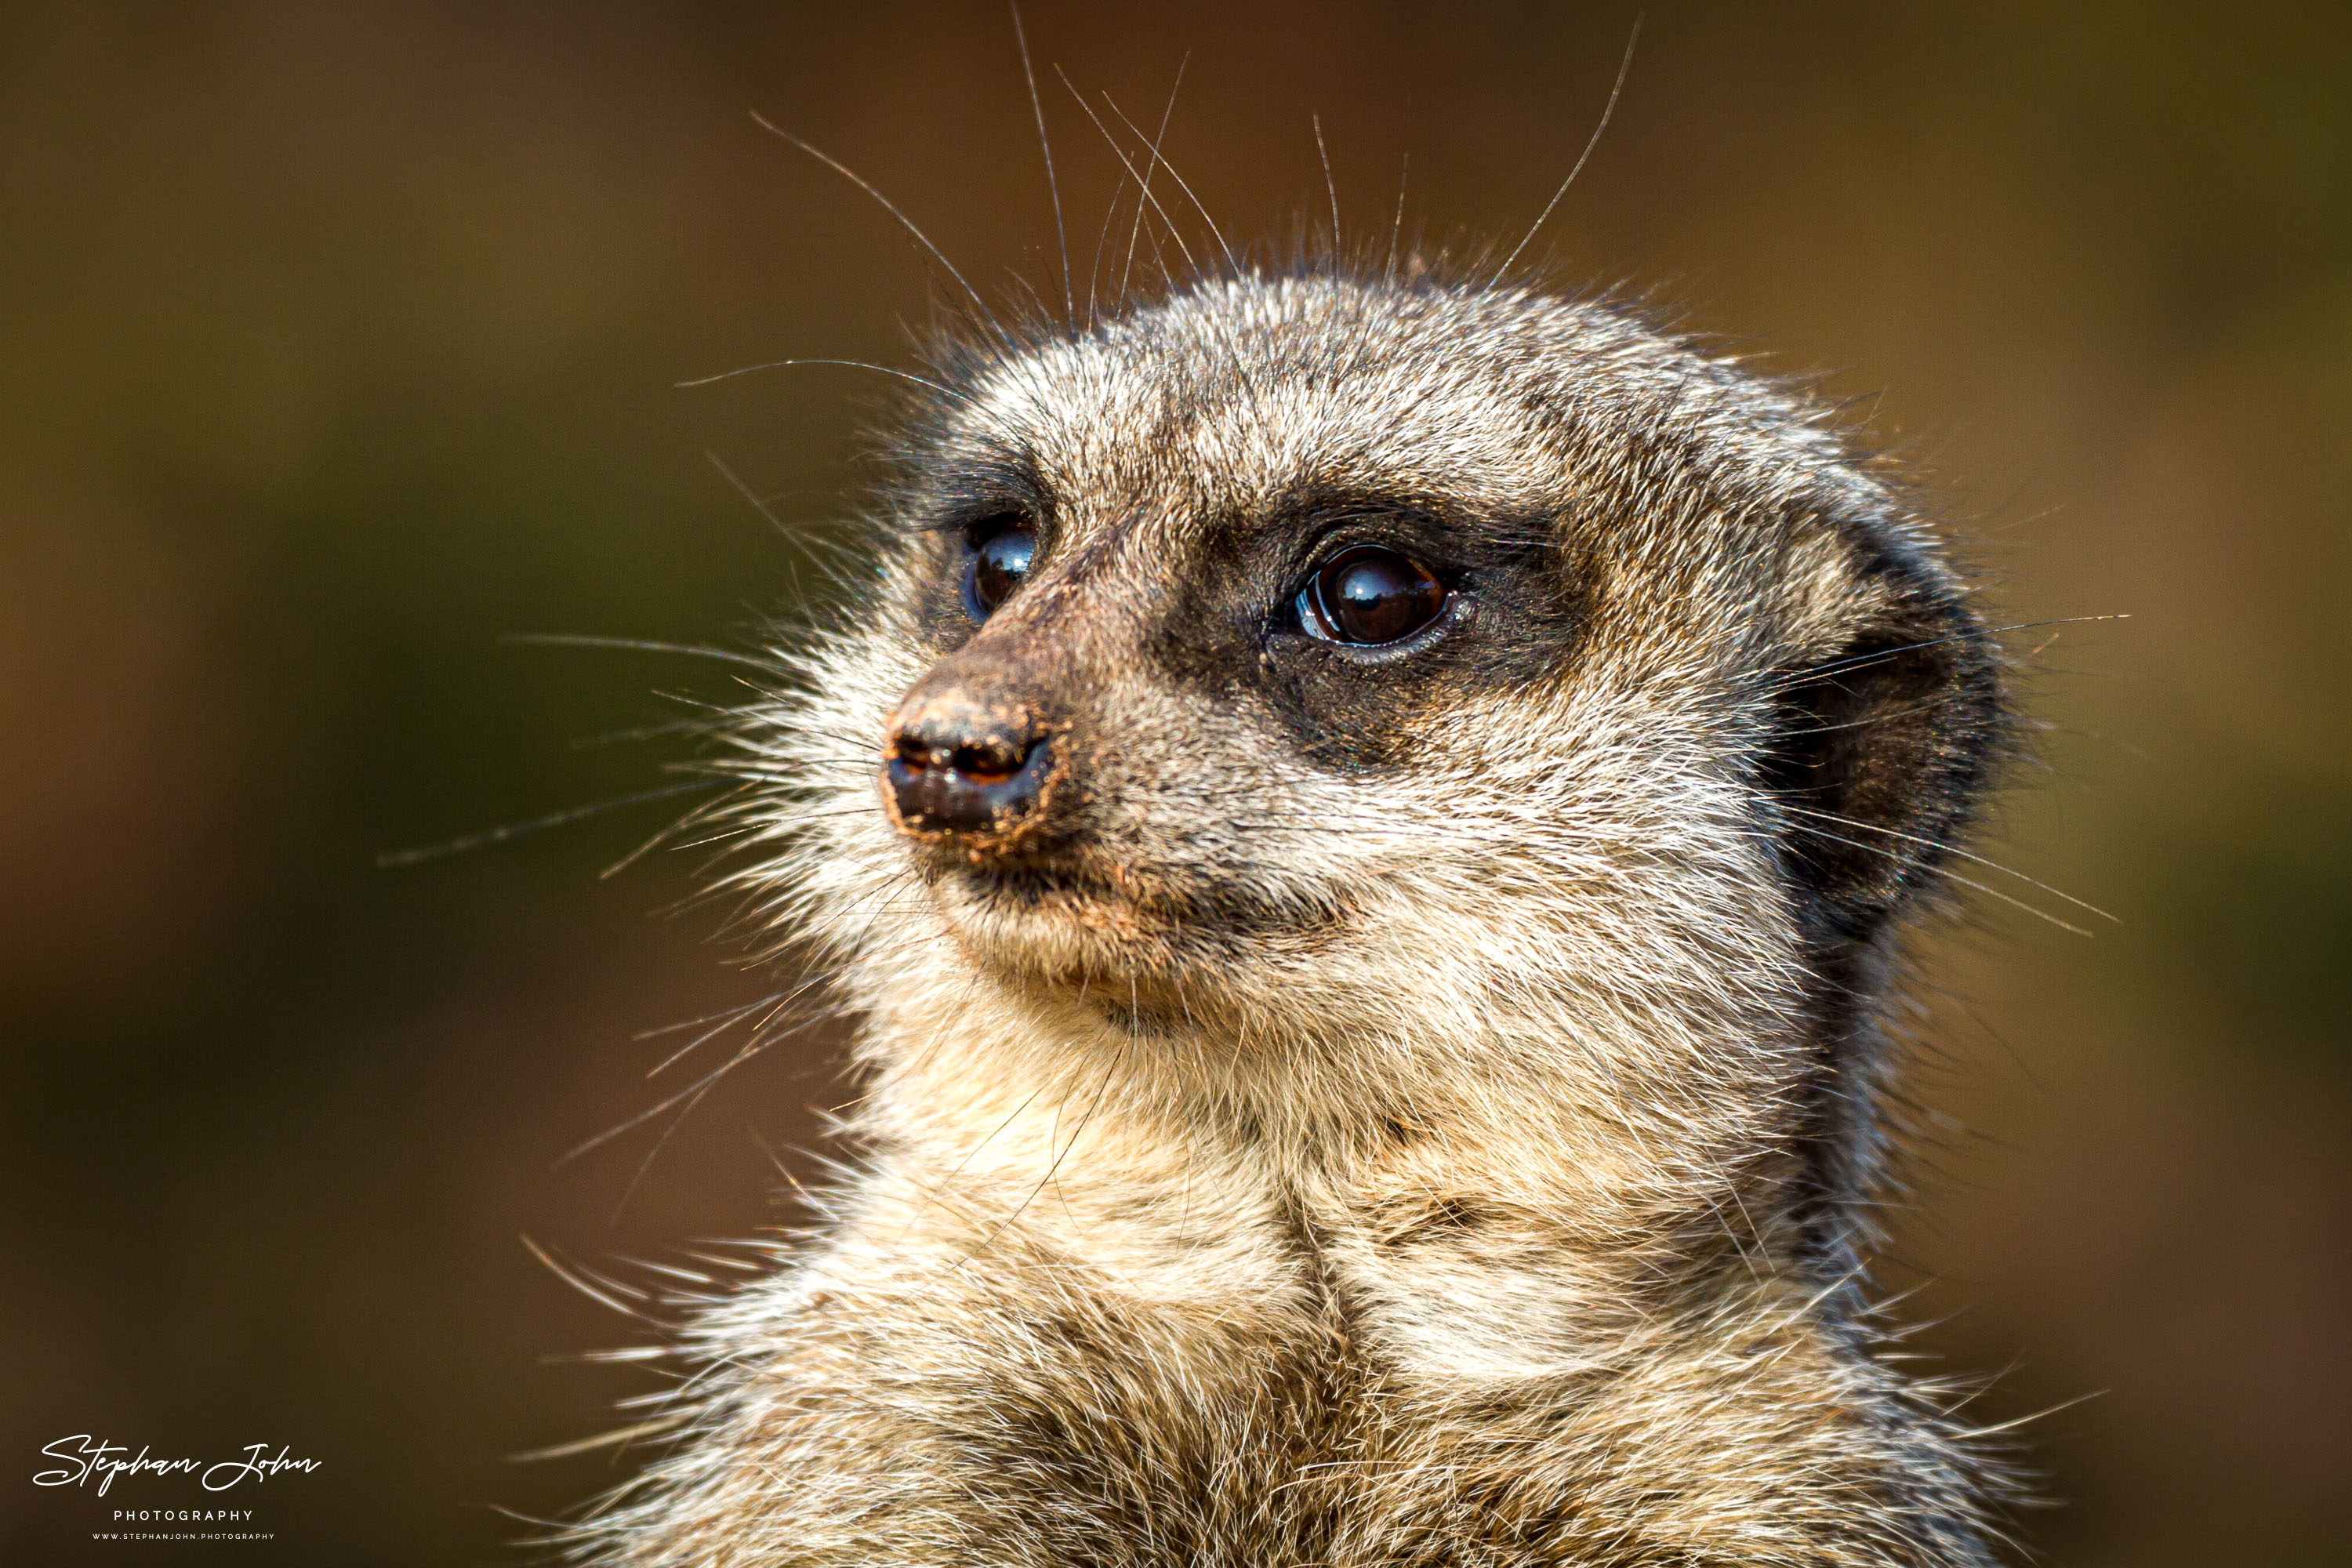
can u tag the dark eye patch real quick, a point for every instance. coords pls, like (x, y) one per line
(997, 507)
(1501, 606)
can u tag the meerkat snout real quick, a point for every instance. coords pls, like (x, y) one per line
(967, 757)
(963, 763)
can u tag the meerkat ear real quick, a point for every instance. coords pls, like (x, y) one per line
(1882, 751)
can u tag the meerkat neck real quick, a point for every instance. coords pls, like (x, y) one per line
(1056, 1122)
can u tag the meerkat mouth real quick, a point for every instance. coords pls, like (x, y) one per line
(1014, 899)
(1083, 917)
(1038, 883)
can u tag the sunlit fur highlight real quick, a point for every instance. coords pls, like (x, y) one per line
(1496, 1192)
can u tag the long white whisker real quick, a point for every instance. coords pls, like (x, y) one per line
(1592, 142)
(860, 181)
(1045, 146)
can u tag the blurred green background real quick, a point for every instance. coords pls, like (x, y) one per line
(338, 341)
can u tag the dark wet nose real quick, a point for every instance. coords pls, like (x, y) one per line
(952, 768)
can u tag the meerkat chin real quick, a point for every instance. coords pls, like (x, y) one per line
(1366, 818)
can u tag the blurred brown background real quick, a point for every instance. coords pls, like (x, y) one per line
(336, 343)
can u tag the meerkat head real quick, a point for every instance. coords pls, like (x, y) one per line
(1339, 659)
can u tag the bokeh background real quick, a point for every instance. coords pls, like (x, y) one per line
(338, 343)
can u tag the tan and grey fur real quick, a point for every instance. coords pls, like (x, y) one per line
(1405, 1108)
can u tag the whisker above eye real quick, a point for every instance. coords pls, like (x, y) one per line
(838, 167)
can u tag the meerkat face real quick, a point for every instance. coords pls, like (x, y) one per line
(1293, 638)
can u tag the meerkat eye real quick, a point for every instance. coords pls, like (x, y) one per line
(1001, 549)
(1367, 595)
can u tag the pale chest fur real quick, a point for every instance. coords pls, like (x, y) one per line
(1078, 1342)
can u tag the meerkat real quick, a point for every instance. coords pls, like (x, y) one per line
(1366, 815)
